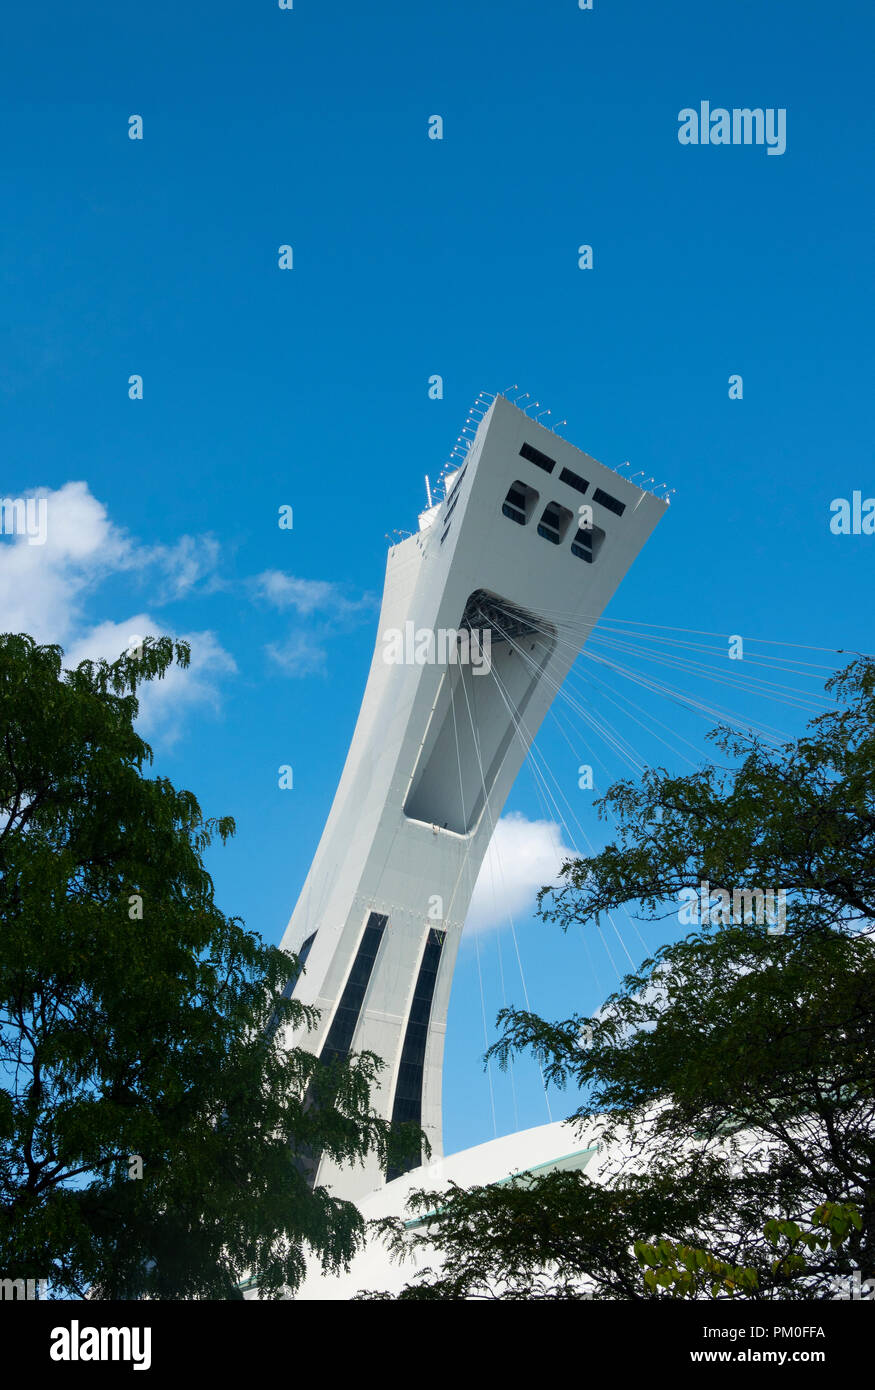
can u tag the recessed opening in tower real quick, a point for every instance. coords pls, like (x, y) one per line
(480, 705)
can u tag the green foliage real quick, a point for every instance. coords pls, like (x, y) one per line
(552, 1236)
(156, 1035)
(682, 1272)
(800, 817)
(831, 1225)
(732, 1075)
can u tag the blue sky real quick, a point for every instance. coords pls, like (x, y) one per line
(413, 257)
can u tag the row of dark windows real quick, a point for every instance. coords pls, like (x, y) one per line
(407, 1107)
(519, 506)
(456, 485)
(455, 497)
(514, 505)
(613, 504)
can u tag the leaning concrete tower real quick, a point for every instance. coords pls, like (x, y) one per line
(475, 637)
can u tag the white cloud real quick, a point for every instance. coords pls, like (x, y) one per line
(189, 564)
(45, 588)
(48, 590)
(286, 591)
(308, 596)
(299, 655)
(522, 857)
(302, 652)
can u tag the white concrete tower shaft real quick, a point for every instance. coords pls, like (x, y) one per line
(439, 742)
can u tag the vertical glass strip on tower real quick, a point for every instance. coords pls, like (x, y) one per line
(343, 1025)
(408, 1092)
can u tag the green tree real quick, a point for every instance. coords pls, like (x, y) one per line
(732, 1076)
(682, 1272)
(140, 1028)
